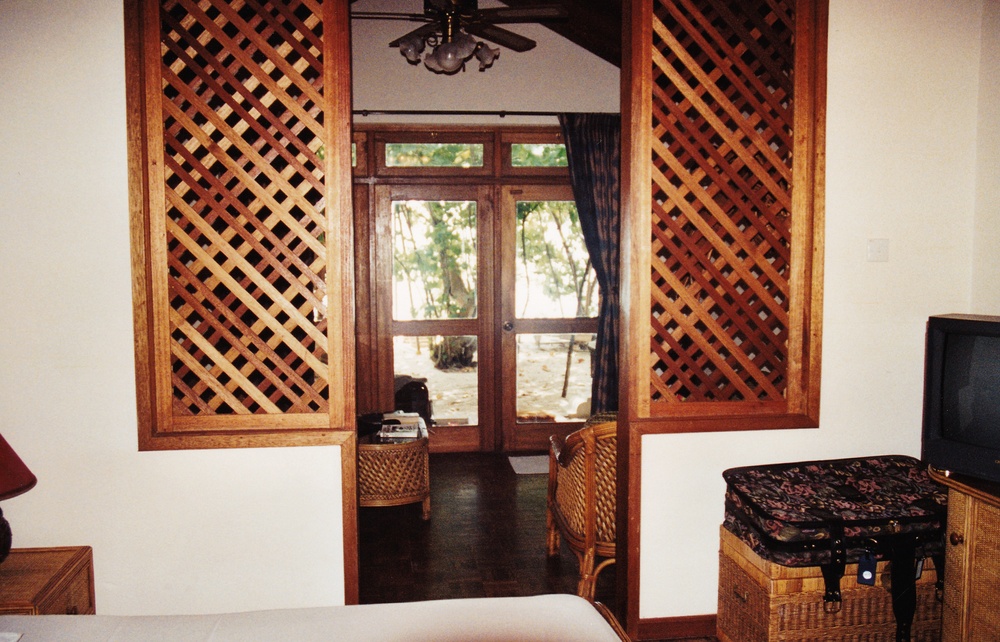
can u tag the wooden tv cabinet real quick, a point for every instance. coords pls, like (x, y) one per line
(972, 560)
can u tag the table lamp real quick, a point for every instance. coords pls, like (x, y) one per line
(15, 478)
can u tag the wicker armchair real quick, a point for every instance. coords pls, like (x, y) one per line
(581, 497)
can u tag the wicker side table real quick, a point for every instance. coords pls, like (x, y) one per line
(392, 474)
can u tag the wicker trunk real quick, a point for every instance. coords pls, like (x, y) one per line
(763, 601)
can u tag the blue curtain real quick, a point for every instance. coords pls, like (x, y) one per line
(593, 147)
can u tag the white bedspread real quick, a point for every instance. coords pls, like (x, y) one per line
(545, 617)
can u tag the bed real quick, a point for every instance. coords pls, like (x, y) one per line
(537, 618)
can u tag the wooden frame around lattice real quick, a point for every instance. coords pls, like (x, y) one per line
(726, 160)
(240, 158)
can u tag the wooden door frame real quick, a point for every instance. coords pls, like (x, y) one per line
(371, 174)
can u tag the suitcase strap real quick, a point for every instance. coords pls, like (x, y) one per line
(902, 571)
(834, 569)
(904, 586)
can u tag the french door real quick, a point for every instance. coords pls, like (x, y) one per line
(435, 249)
(547, 308)
(486, 293)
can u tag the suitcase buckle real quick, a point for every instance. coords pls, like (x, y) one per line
(832, 607)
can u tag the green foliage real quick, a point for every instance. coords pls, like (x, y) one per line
(435, 260)
(538, 155)
(434, 154)
(550, 243)
(435, 257)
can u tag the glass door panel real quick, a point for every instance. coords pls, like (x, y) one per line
(553, 377)
(450, 368)
(434, 260)
(549, 299)
(555, 279)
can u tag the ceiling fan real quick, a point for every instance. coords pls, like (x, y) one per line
(449, 29)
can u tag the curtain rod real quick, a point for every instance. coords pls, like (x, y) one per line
(451, 112)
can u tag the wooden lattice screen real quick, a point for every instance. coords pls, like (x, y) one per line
(732, 295)
(239, 187)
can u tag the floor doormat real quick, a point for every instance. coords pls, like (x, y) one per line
(530, 465)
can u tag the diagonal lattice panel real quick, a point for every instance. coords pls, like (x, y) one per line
(243, 127)
(721, 193)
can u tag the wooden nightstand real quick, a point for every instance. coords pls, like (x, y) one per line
(46, 581)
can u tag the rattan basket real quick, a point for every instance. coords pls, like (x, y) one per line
(394, 474)
(760, 601)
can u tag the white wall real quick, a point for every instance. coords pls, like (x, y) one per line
(901, 165)
(172, 532)
(986, 274)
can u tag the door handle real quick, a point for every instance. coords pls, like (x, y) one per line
(508, 326)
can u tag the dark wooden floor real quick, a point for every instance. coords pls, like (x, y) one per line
(485, 538)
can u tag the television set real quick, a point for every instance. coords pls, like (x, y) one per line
(961, 426)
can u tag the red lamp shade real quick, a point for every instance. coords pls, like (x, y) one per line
(15, 478)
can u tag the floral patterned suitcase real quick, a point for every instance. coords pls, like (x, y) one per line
(834, 512)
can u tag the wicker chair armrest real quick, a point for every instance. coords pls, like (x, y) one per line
(568, 447)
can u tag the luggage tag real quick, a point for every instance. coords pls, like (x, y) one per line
(866, 568)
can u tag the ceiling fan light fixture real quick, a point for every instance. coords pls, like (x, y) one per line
(485, 55)
(411, 48)
(446, 40)
(465, 45)
(445, 59)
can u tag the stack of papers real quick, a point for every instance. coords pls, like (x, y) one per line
(399, 432)
(400, 426)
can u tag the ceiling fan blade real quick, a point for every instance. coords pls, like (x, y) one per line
(464, 7)
(502, 37)
(387, 15)
(420, 32)
(522, 14)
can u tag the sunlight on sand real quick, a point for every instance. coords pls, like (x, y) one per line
(542, 366)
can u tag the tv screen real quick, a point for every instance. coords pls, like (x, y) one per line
(970, 390)
(961, 431)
